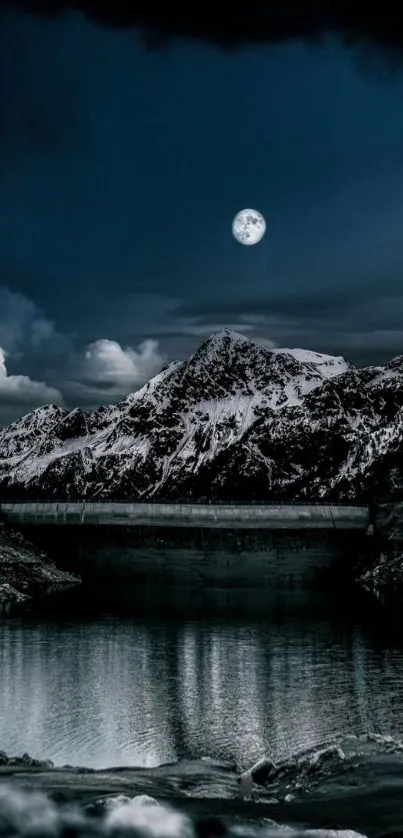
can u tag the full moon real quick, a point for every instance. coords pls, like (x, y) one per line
(248, 226)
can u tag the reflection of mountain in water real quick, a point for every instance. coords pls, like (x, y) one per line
(100, 690)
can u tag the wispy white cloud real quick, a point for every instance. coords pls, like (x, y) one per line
(106, 364)
(21, 390)
(104, 369)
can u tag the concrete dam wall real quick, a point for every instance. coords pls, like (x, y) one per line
(269, 559)
(198, 558)
(196, 546)
(234, 516)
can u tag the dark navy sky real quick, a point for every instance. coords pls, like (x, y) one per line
(121, 171)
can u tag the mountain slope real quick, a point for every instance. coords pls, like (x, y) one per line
(234, 420)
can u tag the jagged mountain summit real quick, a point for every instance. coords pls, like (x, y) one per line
(235, 420)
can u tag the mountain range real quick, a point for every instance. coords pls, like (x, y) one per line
(234, 421)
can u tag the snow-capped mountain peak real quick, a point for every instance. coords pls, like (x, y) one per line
(234, 419)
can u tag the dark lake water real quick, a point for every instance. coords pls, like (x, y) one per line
(93, 679)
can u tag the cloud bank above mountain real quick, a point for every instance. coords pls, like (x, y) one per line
(88, 374)
(22, 392)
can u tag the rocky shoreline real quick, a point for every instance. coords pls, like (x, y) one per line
(385, 579)
(25, 570)
(350, 784)
(25, 761)
(382, 576)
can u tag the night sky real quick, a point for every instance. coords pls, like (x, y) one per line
(121, 168)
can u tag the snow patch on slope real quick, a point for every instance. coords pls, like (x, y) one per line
(328, 366)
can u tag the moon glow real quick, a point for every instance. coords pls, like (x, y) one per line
(248, 226)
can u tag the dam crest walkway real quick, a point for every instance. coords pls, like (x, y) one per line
(177, 514)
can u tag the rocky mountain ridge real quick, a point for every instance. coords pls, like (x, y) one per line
(235, 420)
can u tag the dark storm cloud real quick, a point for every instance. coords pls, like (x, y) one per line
(362, 324)
(290, 304)
(41, 112)
(231, 23)
(316, 304)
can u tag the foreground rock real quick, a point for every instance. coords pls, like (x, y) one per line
(355, 784)
(25, 570)
(31, 815)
